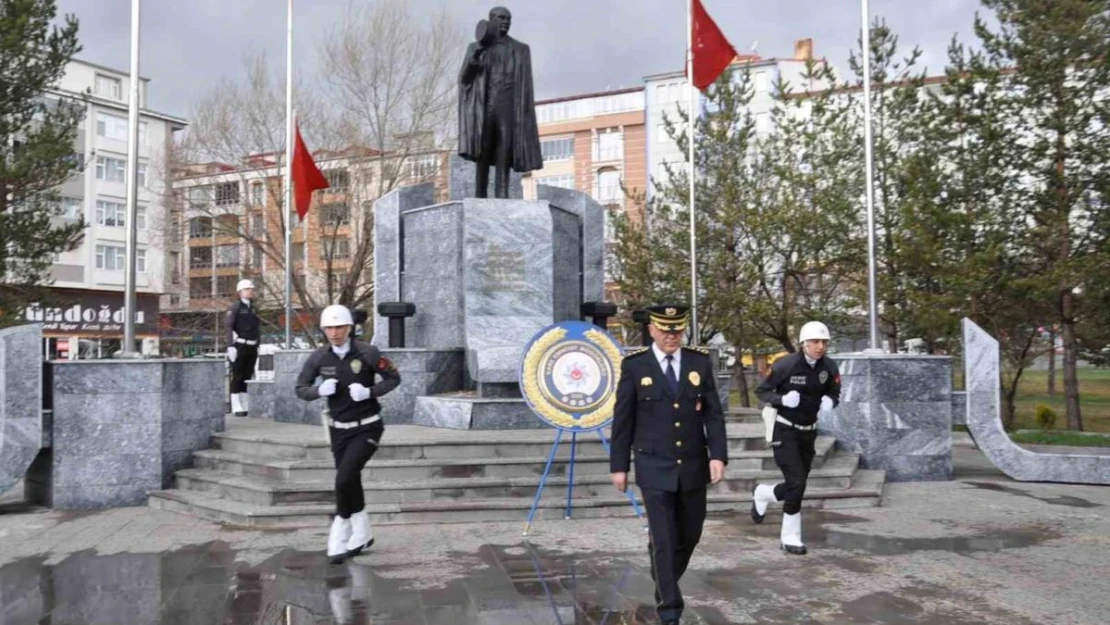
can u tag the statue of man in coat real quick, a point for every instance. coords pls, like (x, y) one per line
(497, 112)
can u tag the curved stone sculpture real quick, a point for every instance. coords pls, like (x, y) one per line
(20, 401)
(984, 422)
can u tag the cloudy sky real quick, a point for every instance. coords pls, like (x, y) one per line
(578, 46)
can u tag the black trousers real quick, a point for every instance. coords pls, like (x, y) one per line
(243, 367)
(497, 150)
(675, 521)
(352, 449)
(794, 453)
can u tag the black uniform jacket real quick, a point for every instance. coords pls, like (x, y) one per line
(674, 437)
(360, 365)
(793, 373)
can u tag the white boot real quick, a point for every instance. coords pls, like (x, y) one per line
(244, 400)
(791, 535)
(361, 534)
(762, 496)
(237, 406)
(337, 539)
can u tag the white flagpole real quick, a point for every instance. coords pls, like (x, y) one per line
(287, 184)
(873, 306)
(690, 136)
(132, 181)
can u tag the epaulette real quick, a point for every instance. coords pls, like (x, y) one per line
(700, 350)
(636, 352)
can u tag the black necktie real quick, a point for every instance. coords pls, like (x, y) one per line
(671, 377)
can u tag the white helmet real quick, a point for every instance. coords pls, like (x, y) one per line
(814, 330)
(244, 284)
(336, 315)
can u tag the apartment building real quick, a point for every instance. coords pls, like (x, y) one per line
(86, 317)
(229, 226)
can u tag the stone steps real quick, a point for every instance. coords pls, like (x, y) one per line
(271, 474)
(837, 473)
(866, 491)
(414, 468)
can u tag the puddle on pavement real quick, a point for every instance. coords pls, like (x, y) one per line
(1059, 500)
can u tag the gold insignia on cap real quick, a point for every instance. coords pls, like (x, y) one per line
(645, 381)
(671, 311)
(356, 365)
(695, 379)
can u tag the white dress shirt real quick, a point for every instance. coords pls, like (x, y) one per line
(676, 362)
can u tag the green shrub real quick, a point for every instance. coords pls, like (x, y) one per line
(1046, 417)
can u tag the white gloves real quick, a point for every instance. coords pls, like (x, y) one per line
(359, 392)
(791, 399)
(232, 354)
(826, 403)
(327, 387)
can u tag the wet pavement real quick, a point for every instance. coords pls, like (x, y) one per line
(983, 551)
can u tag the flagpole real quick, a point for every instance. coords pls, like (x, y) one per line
(132, 181)
(287, 184)
(690, 136)
(873, 305)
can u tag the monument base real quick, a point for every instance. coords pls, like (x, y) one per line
(470, 412)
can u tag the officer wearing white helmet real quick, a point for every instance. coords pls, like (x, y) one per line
(798, 387)
(243, 332)
(347, 370)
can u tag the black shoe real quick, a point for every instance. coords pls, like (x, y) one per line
(238, 414)
(671, 621)
(794, 550)
(357, 550)
(337, 560)
(757, 517)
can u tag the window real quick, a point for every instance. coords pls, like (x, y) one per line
(110, 214)
(336, 282)
(175, 267)
(111, 169)
(332, 215)
(108, 87)
(298, 252)
(564, 182)
(609, 146)
(759, 80)
(71, 208)
(227, 226)
(257, 256)
(609, 186)
(227, 255)
(557, 149)
(200, 227)
(258, 225)
(200, 258)
(117, 128)
(142, 173)
(335, 247)
(225, 285)
(258, 194)
(110, 257)
(422, 167)
(140, 217)
(200, 287)
(227, 193)
(140, 261)
(338, 180)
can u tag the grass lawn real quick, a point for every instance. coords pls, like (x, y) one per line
(1094, 400)
(1071, 439)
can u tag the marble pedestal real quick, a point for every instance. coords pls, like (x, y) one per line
(21, 426)
(896, 412)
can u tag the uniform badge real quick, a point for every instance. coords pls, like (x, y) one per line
(695, 379)
(671, 312)
(645, 381)
(823, 377)
(356, 365)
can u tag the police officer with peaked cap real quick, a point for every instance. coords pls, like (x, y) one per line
(798, 387)
(668, 412)
(243, 332)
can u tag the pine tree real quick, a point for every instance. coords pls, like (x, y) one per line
(37, 135)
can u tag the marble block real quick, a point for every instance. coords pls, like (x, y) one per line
(475, 413)
(122, 428)
(984, 422)
(21, 426)
(896, 412)
(591, 216)
(460, 180)
(387, 247)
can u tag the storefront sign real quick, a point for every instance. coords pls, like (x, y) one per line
(91, 313)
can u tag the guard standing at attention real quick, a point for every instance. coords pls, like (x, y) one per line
(243, 332)
(668, 411)
(798, 387)
(348, 368)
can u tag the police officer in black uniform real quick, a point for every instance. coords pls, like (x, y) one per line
(243, 331)
(798, 387)
(668, 411)
(347, 368)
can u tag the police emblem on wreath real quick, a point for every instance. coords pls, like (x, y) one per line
(569, 373)
(823, 376)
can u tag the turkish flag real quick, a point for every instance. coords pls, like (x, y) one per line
(712, 52)
(306, 176)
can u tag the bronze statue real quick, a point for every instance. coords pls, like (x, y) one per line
(497, 111)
